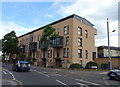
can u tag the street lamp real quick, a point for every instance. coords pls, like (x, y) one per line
(109, 61)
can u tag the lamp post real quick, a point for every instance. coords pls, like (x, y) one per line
(109, 61)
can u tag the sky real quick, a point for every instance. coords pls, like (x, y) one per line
(24, 16)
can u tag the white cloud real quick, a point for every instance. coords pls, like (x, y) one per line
(7, 27)
(97, 11)
(49, 16)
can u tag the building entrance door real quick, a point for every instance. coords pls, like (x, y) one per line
(58, 63)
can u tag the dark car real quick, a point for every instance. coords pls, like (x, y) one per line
(21, 65)
(114, 74)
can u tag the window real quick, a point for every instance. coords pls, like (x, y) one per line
(32, 39)
(80, 31)
(93, 55)
(20, 42)
(37, 54)
(86, 33)
(64, 52)
(38, 37)
(67, 61)
(67, 52)
(68, 29)
(80, 62)
(48, 53)
(44, 54)
(27, 41)
(35, 39)
(58, 52)
(65, 30)
(79, 42)
(86, 54)
(67, 40)
(79, 53)
(58, 33)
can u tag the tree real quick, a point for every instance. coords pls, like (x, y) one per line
(48, 34)
(10, 43)
(22, 57)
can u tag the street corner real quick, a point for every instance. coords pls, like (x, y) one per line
(9, 82)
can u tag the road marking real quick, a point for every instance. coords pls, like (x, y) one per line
(58, 75)
(82, 85)
(41, 73)
(62, 83)
(11, 74)
(19, 82)
(103, 73)
(88, 82)
(14, 77)
(106, 81)
(47, 75)
(4, 72)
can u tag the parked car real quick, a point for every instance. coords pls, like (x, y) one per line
(114, 74)
(21, 65)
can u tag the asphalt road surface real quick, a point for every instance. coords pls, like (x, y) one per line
(53, 77)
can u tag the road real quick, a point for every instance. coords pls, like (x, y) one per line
(39, 77)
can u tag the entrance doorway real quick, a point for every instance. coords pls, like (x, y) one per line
(58, 63)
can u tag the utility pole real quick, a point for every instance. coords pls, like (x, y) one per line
(109, 61)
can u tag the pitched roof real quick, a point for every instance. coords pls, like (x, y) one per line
(71, 16)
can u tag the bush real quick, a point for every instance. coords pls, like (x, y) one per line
(104, 66)
(89, 64)
(76, 66)
(21, 57)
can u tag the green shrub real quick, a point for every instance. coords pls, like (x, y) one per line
(21, 56)
(89, 64)
(76, 66)
(104, 66)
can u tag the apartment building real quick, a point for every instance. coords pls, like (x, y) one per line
(75, 44)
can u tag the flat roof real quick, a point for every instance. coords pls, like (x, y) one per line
(71, 16)
(111, 47)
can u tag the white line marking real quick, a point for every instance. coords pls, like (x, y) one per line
(103, 73)
(14, 77)
(62, 83)
(4, 72)
(106, 81)
(82, 85)
(11, 74)
(47, 75)
(87, 82)
(41, 73)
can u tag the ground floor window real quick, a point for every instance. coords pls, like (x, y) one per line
(79, 53)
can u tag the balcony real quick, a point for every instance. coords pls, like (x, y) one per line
(57, 42)
(33, 46)
(42, 46)
(21, 48)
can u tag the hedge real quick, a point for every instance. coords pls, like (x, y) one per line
(76, 66)
(89, 64)
(104, 66)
